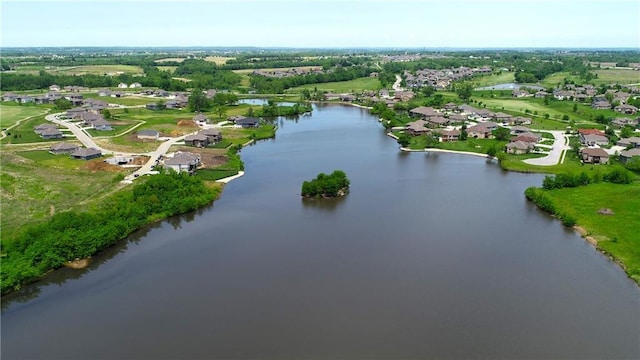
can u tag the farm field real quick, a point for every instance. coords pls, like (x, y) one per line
(98, 70)
(218, 60)
(360, 84)
(249, 71)
(621, 76)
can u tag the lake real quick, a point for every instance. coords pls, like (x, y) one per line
(428, 256)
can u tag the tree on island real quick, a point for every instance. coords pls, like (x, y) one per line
(324, 186)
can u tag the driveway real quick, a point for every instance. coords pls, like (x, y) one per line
(560, 144)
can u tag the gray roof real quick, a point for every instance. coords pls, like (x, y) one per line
(521, 145)
(86, 152)
(183, 158)
(196, 137)
(630, 153)
(50, 132)
(210, 132)
(148, 132)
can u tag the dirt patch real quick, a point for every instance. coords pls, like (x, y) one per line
(208, 157)
(139, 160)
(100, 165)
(120, 122)
(78, 263)
(605, 211)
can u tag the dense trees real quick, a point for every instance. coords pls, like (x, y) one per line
(335, 184)
(72, 234)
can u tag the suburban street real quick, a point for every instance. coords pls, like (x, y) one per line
(560, 144)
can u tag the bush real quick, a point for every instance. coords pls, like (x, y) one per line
(326, 185)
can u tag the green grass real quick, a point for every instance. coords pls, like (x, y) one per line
(11, 114)
(494, 79)
(23, 133)
(127, 100)
(45, 158)
(571, 163)
(616, 234)
(621, 76)
(472, 145)
(117, 130)
(31, 190)
(360, 84)
(170, 69)
(558, 78)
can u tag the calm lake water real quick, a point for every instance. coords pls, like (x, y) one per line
(428, 256)
(263, 102)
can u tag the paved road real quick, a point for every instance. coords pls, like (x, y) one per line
(560, 144)
(153, 157)
(396, 85)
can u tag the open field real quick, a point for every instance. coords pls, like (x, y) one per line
(493, 79)
(11, 114)
(175, 59)
(249, 71)
(170, 69)
(616, 234)
(360, 84)
(98, 69)
(218, 60)
(32, 190)
(557, 78)
(621, 76)
(23, 133)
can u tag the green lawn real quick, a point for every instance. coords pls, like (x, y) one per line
(127, 100)
(493, 79)
(23, 133)
(45, 158)
(11, 114)
(360, 84)
(616, 234)
(571, 163)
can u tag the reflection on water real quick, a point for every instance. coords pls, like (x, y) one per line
(324, 204)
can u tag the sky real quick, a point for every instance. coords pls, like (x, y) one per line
(322, 23)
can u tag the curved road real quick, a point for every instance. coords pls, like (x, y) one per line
(396, 85)
(560, 144)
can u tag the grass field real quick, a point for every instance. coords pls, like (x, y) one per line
(31, 190)
(616, 234)
(218, 60)
(23, 133)
(11, 114)
(621, 76)
(98, 69)
(249, 71)
(45, 158)
(360, 84)
(493, 79)
(178, 60)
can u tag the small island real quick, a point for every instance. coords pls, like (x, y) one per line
(326, 186)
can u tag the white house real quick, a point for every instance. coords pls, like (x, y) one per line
(123, 85)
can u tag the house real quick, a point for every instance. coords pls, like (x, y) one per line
(211, 93)
(148, 134)
(74, 113)
(626, 109)
(479, 132)
(622, 122)
(601, 105)
(520, 120)
(424, 111)
(450, 107)
(628, 155)
(214, 135)
(104, 92)
(501, 117)
(467, 109)
(594, 156)
(24, 99)
(247, 122)
(161, 93)
(457, 118)
(63, 148)
(38, 129)
(449, 135)
(54, 87)
(591, 132)
(541, 94)
(101, 124)
(119, 160)
(9, 97)
(197, 140)
(437, 121)
(347, 97)
(183, 161)
(519, 93)
(152, 106)
(135, 85)
(515, 130)
(201, 119)
(86, 154)
(527, 137)
(627, 142)
(51, 134)
(518, 147)
(123, 85)
(418, 127)
(592, 140)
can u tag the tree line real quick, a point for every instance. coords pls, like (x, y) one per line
(271, 85)
(72, 234)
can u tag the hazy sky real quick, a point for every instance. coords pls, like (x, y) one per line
(328, 23)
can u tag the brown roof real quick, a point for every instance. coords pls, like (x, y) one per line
(594, 152)
(424, 110)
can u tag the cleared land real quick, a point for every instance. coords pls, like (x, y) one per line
(174, 59)
(360, 84)
(170, 69)
(219, 60)
(10, 115)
